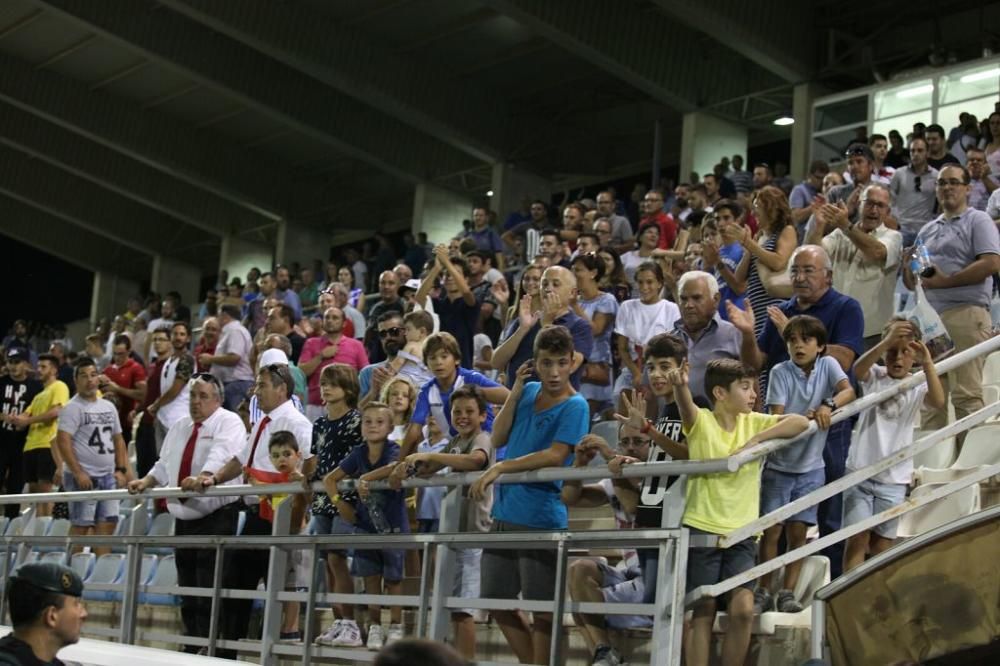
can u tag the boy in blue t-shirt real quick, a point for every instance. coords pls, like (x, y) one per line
(813, 385)
(374, 565)
(540, 423)
(723, 261)
(443, 358)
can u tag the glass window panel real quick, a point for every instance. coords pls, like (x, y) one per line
(902, 124)
(974, 82)
(831, 147)
(981, 108)
(838, 114)
(906, 98)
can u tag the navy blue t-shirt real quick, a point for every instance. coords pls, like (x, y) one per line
(393, 505)
(840, 314)
(461, 320)
(583, 342)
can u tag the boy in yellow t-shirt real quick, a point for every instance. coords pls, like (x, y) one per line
(717, 504)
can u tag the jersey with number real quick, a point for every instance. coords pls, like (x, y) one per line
(649, 509)
(92, 424)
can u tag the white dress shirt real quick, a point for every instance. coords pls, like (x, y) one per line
(222, 437)
(283, 417)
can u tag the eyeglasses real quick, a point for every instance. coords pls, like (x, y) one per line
(648, 199)
(808, 271)
(875, 204)
(916, 183)
(950, 182)
(390, 332)
(633, 442)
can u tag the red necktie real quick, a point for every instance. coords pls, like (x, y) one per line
(185, 468)
(253, 449)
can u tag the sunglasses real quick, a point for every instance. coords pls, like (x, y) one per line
(207, 377)
(390, 332)
(916, 183)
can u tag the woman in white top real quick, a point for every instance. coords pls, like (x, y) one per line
(649, 239)
(638, 320)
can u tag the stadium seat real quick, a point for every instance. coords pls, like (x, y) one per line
(162, 525)
(59, 527)
(37, 526)
(15, 526)
(3, 524)
(147, 570)
(53, 557)
(814, 575)
(83, 564)
(608, 430)
(979, 450)
(939, 456)
(925, 518)
(109, 568)
(165, 575)
(26, 557)
(991, 370)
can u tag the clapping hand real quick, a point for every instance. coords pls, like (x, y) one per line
(501, 292)
(742, 319)
(527, 317)
(778, 318)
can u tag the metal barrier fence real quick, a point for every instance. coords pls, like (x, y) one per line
(433, 602)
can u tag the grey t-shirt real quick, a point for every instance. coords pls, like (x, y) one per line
(92, 424)
(475, 515)
(913, 207)
(953, 244)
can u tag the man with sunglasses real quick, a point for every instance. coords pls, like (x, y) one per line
(912, 189)
(392, 338)
(860, 168)
(202, 441)
(965, 252)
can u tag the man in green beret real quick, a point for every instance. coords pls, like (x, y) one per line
(46, 611)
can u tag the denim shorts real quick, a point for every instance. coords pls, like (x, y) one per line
(869, 498)
(387, 563)
(321, 524)
(90, 512)
(779, 488)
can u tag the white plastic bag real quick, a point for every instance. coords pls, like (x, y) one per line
(920, 313)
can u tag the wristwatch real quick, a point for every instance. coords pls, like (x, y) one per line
(831, 403)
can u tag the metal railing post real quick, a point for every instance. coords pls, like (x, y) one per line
(137, 521)
(670, 517)
(558, 606)
(425, 590)
(23, 548)
(816, 638)
(213, 617)
(277, 572)
(307, 636)
(673, 655)
(5, 577)
(444, 564)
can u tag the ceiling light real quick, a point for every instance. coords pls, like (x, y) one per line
(489, 193)
(981, 76)
(916, 91)
(784, 120)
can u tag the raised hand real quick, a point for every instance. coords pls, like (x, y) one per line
(777, 317)
(526, 370)
(635, 410)
(501, 292)
(743, 319)
(679, 376)
(526, 316)
(920, 352)
(709, 254)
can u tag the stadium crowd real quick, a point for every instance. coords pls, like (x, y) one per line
(730, 309)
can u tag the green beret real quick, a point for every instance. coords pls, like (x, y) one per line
(51, 577)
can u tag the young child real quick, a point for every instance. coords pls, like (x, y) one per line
(540, 423)
(720, 503)
(389, 513)
(468, 451)
(429, 499)
(884, 430)
(401, 396)
(443, 357)
(287, 460)
(335, 435)
(409, 361)
(814, 385)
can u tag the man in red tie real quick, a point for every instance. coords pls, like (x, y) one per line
(201, 443)
(274, 388)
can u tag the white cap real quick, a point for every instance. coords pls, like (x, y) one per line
(272, 356)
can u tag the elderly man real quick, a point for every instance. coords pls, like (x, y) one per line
(274, 388)
(812, 282)
(705, 333)
(865, 256)
(230, 363)
(964, 247)
(201, 442)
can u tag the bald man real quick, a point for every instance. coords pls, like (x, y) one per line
(558, 287)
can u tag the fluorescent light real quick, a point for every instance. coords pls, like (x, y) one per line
(489, 193)
(981, 76)
(784, 120)
(916, 92)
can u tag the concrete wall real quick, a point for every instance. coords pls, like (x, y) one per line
(705, 139)
(238, 256)
(172, 275)
(510, 185)
(439, 212)
(301, 243)
(110, 296)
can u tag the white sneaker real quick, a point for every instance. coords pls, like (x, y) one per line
(394, 634)
(376, 637)
(330, 635)
(349, 636)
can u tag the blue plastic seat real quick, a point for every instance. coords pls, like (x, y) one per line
(109, 568)
(166, 575)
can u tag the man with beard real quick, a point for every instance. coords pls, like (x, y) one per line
(172, 405)
(392, 337)
(331, 347)
(285, 293)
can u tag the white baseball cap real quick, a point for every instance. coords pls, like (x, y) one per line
(272, 356)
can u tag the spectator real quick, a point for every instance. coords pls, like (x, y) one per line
(409, 362)
(912, 189)
(723, 261)
(649, 241)
(388, 301)
(550, 246)
(881, 172)
(280, 321)
(17, 391)
(486, 238)
(359, 272)
(558, 289)
(742, 180)
(145, 435)
(256, 317)
(231, 361)
(964, 248)
(457, 308)
(172, 403)
(614, 281)
(284, 291)
(391, 336)
(356, 294)
(621, 238)
(638, 320)
(937, 149)
(600, 309)
(992, 147)
(897, 155)
(209, 339)
(981, 183)
(885, 430)
(865, 256)
(654, 213)
(519, 216)
(341, 300)
(64, 370)
(803, 195)
(400, 393)
(860, 167)
(841, 315)
(309, 294)
(540, 424)
(331, 347)
(705, 334)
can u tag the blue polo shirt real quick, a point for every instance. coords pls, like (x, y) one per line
(539, 504)
(578, 327)
(840, 314)
(427, 404)
(792, 389)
